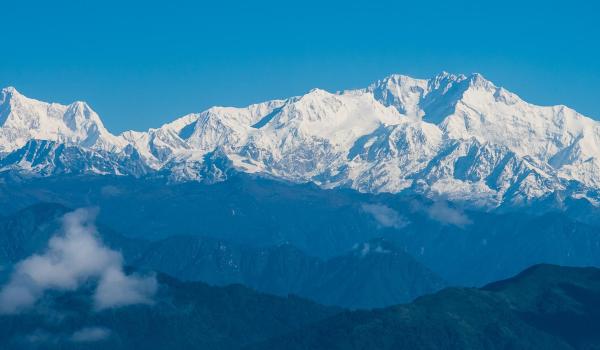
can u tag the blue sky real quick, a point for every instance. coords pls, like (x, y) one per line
(140, 64)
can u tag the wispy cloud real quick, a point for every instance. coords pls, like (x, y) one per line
(75, 255)
(442, 212)
(90, 334)
(110, 191)
(385, 216)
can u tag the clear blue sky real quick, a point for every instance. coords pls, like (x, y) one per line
(140, 64)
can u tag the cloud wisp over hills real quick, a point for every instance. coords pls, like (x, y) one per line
(75, 256)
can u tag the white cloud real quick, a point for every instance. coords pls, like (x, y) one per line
(385, 216)
(110, 191)
(117, 289)
(442, 212)
(90, 334)
(74, 255)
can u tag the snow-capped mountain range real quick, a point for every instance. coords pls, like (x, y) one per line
(456, 136)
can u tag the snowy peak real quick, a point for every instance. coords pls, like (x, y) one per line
(492, 114)
(433, 99)
(456, 136)
(23, 119)
(402, 92)
(157, 146)
(8, 97)
(8, 93)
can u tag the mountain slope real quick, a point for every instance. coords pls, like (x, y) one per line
(451, 135)
(374, 274)
(464, 247)
(45, 158)
(28, 231)
(379, 275)
(23, 119)
(544, 307)
(183, 316)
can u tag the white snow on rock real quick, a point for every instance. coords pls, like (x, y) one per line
(452, 135)
(23, 119)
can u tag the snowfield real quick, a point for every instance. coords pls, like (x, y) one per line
(455, 136)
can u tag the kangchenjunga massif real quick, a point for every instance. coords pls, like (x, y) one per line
(456, 136)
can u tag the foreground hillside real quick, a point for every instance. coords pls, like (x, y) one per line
(182, 316)
(544, 307)
(57, 293)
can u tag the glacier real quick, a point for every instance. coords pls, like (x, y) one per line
(460, 137)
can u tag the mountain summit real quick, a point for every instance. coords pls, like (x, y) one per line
(457, 136)
(23, 119)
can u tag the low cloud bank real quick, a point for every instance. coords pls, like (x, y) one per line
(75, 255)
(385, 216)
(442, 212)
(90, 334)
